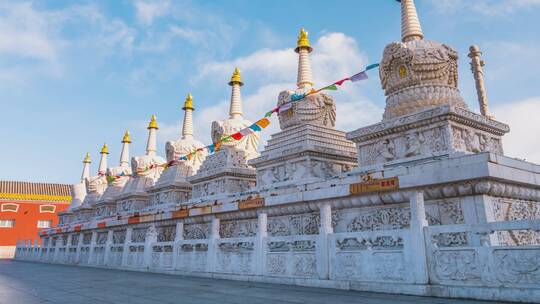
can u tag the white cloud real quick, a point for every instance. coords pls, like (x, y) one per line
(148, 11)
(523, 141)
(484, 7)
(36, 42)
(335, 56)
(24, 32)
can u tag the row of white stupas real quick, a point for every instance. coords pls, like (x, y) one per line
(416, 74)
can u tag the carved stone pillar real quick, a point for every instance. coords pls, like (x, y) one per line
(179, 237)
(108, 245)
(91, 254)
(262, 234)
(49, 247)
(416, 251)
(127, 242)
(67, 254)
(37, 250)
(57, 248)
(322, 248)
(78, 253)
(151, 238)
(479, 210)
(212, 244)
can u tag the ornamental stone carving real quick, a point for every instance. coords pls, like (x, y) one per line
(419, 74)
(457, 265)
(506, 209)
(248, 143)
(233, 229)
(304, 224)
(196, 231)
(166, 233)
(316, 109)
(175, 149)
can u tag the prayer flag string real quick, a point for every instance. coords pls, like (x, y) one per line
(261, 124)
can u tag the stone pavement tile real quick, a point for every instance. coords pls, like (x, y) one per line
(69, 284)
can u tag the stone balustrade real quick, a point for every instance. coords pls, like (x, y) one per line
(458, 260)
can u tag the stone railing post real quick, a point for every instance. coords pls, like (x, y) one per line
(67, 254)
(478, 209)
(91, 254)
(322, 248)
(212, 244)
(57, 248)
(260, 249)
(79, 245)
(108, 245)
(178, 237)
(17, 248)
(47, 257)
(150, 239)
(127, 242)
(37, 250)
(417, 247)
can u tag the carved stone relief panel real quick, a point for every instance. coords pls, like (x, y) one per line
(302, 224)
(456, 265)
(426, 142)
(473, 140)
(519, 266)
(87, 238)
(506, 209)
(241, 228)
(138, 235)
(196, 231)
(166, 233)
(101, 238)
(75, 239)
(119, 236)
(438, 212)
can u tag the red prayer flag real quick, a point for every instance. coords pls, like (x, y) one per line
(340, 82)
(237, 136)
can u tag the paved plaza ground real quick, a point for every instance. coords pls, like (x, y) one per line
(29, 283)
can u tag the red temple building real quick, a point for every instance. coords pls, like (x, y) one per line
(26, 208)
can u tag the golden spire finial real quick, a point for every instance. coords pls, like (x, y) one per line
(105, 149)
(153, 123)
(236, 77)
(303, 41)
(188, 104)
(87, 158)
(127, 138)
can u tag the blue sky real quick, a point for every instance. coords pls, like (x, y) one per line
(76, 74)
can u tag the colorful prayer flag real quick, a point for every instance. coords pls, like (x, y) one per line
(254, 127)
(331, 87)
(217, 146)
(340, 82)
(372, 66)
(263, 123)
(296, 97)
(237, 136)
(246, 131)
(360, 76)
(210, 149)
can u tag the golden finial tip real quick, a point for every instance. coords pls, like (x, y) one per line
(188, 104)
(105, 149)
(126, 138)
(87, 158)
(236, 77)
(303, 41)
(153, 123)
